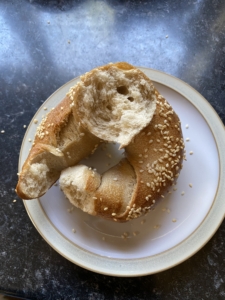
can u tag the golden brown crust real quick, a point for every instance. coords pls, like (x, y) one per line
(153, 159)
(48, 146)
(156, 156)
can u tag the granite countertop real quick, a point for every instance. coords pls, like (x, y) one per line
(44, 44)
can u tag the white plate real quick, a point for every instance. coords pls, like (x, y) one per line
(180, 225)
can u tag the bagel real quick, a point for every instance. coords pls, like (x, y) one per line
(114, 103)
(132, 188)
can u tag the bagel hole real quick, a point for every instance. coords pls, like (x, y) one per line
(122, 90)
(131, 99)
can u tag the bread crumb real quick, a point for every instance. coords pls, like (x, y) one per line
(156, 226)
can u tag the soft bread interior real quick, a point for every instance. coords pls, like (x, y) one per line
(104, 195)
(114, 102)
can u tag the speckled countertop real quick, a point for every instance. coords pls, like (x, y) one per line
(44, 44)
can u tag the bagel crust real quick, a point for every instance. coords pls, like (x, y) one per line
(60, 142)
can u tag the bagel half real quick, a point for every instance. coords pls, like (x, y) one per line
(133, 187)
(114, 103)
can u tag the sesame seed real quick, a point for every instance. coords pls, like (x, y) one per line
(187, 126)
(190, 185)
(191, 152)
(105, 208)
(61, 107)
(141, 171)
(45, 108)
(143, 221)
(187, 139)
(14, 200)
(182, 193)
(140, 155)
(82, 134)
(103, 238)
(2, 131)
(113, 214)
(151, 141)
(24, 126)
(95, 198)
(174, 220)
(162, 196)
(115, 179)
(163, 209)
(74, 230)
(140, 161)
(167, 36)
(35, 121)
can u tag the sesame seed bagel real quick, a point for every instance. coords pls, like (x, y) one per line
(152, 163)
(113, 102)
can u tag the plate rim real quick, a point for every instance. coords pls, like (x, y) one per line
(132, 265)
